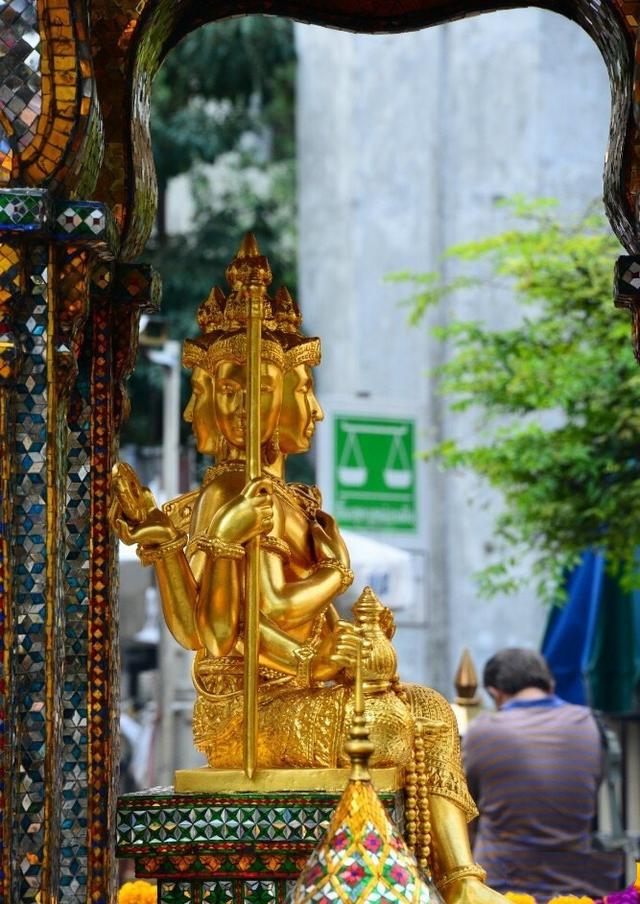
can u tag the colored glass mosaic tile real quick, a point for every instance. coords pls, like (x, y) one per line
(32, 210)
(51, 130)
(57, 824)
(218, 893)
(176, 893)
(363, 858)
(103, 664)
(24, 210)
(257, 892)
(37, 615)
(88, 220)
(74, 858)
(165, 819)
(20, 69)
(627, 293)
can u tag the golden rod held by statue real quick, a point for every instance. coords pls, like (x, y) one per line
(252, 585)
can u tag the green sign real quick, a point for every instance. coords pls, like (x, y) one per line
(374, 474)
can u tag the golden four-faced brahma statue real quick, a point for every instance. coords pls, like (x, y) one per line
(248, 568)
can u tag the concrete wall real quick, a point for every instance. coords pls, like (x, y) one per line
(404, 144)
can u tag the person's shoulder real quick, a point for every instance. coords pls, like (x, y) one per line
(484, 725)
(578, 714)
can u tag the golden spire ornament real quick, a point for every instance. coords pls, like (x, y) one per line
(363, 858)
(467, 704)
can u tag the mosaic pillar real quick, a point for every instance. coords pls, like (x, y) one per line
(60, 399)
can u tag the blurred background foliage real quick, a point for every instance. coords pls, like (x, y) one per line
(222, 115)
(553, 401)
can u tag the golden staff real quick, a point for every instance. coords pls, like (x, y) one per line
(259, 277)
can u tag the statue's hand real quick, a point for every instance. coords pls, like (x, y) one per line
(337, 651)
(133, 512)
(135, 501)
(471, 891)
(247, 515)
(327, 540)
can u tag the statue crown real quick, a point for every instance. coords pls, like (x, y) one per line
(249, 272)
(249, 269)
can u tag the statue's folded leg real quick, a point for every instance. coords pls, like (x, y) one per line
(444, 772)
(450, 805)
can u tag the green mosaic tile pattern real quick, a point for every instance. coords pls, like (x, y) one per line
(176, 893)
(86, 221)
(259, 892)
(145, 822)
(79, 222)
(24, 209)
(218, 893)
(249, 892)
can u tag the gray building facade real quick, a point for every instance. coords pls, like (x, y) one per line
(405, 142)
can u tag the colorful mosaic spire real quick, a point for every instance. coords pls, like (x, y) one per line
(363, 858)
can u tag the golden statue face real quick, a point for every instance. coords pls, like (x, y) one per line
(230, 400)
(199, 411)
(300, 410)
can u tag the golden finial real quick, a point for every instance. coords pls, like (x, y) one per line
(248, 246)
(249, 275)
(359, 746)
(249, 267)
(467, 704)
(286, 311)
(211, 311)
(249, 272)
(466, 681)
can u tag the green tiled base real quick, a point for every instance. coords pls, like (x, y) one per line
(224, 892)
(236, 848)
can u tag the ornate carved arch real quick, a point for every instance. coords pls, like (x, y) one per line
(127, 178)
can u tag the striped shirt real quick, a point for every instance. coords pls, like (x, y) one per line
(534, 768)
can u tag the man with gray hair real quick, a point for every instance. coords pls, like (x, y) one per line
(534, 767)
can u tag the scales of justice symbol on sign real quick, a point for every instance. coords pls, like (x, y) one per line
(369, 468)
(397, 473)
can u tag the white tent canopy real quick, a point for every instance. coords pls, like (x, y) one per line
(386, 569)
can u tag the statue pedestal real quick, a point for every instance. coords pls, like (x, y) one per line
(227, 848)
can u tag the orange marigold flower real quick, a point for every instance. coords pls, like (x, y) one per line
(517, 898)
(571, 899)
(138, 892)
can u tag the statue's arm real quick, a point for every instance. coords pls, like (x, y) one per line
(289, 604)
(178, 593)
(223, 521)
(136, 518)
(217, 608)
(278, 651)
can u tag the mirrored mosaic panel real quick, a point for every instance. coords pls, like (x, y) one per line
(37, 619)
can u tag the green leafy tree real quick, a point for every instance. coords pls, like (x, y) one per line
(223, 113)
(555, 400)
